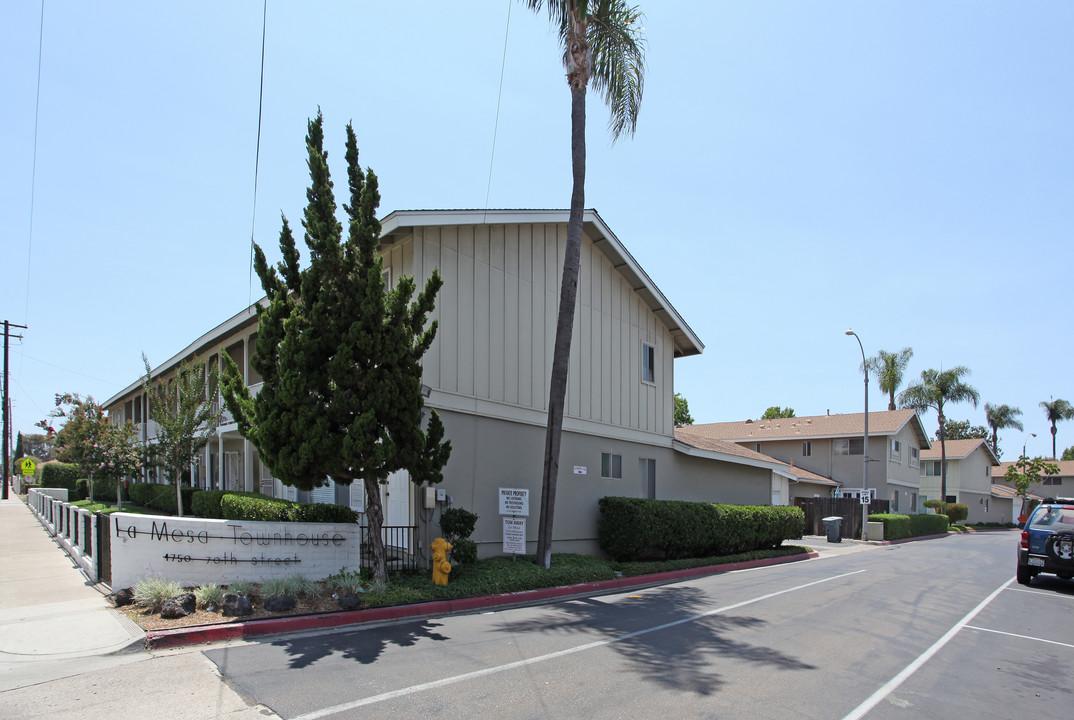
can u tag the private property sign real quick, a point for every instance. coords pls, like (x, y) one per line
(515, 501)
(195, 551)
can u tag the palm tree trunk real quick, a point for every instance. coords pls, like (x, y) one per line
(1054, 456)
(943, 460)
(891, 400)
(561, 354)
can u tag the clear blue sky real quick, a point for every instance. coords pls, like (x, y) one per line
(901, 168)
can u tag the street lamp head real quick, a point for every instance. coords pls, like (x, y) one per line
(849, 332)
(1032, 434)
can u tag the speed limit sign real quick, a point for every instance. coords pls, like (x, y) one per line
(865, 498)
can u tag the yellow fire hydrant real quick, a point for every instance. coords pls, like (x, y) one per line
(441, 567)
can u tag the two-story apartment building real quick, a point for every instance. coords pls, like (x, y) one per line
(832, 446)
(487, 375)
(969, 479)
(1059, 485)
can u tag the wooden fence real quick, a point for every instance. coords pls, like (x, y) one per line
(816, 509)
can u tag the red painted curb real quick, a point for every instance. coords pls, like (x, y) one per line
(160, 639)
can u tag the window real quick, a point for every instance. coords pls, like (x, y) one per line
(647, 475)
(807, 449)
(386, 276)
(915, 456)
(611, 466)
(1051, 481)
(913, 502)
(932, 468)
(849, 446)
(894, 501)
(648, 363)
(896, 451)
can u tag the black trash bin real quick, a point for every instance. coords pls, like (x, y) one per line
(831, 524)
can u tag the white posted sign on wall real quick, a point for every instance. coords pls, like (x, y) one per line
(514, 536)
(515, 501)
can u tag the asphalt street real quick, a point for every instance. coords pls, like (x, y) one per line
(928, 629)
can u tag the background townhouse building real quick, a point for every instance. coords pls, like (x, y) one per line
(832, 447)
(969, 479)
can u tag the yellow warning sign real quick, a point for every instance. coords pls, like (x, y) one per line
(27, 466)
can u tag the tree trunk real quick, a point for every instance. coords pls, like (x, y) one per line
(119, 493)
(179, 493)
(1054, 457)
(90, 483)
(891, 400)
(568, 298)
(374, 515)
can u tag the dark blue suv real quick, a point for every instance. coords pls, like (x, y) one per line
(1048, 541)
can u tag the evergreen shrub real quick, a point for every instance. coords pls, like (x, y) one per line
(264, 509)
(206, 503)
(62, 475)
(634, 528)
(457, 525)
(956, 512)
(897, 527)
(928, 524)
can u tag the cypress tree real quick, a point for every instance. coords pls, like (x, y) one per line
(340, 354)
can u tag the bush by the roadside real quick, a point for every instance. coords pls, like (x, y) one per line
(103, 490)
(634, 528)
(206, 503)
(956, 512)
(246, 507)
(898, 527)
(62, 475)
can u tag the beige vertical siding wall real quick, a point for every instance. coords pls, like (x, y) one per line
(497, 314)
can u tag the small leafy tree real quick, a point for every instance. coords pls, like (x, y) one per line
(962, 430)
(340, 356)
(1068, 454)
(776, 412)
(1024, 474)
(185, 418)
(682, 411)
(103, 450)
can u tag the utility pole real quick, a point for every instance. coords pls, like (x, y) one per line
(7, 407)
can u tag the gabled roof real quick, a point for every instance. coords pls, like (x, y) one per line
(402, 222)
(959, 449)
(739, 453)
(887, 422)
(1066, 467)
(1005, 491)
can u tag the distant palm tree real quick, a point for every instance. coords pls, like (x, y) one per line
(602, 42)
(1055, 411)
(1000, 417)
(936, 388)
(888, 367)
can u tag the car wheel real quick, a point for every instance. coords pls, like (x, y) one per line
(1024, 575)
(1060, 548)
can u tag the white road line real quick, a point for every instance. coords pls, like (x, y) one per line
(1024, 637)
(402, 692)
(889, 687)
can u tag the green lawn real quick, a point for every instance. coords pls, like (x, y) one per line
(108, 509)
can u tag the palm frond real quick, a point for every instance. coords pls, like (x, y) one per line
(617, 48)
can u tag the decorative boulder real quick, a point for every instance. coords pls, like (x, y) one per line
(236, 606)
(282, 603)
(179, 606)
(123, 597)
(349, 601)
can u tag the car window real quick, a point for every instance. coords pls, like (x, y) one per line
(1054, 518)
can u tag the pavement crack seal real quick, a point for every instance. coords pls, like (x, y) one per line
(443, 682)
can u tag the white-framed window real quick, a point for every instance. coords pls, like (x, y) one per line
(848, 446)
(611, 466)
(913, 502)
(915, 457)
(894, 507)
(807, 448)
(647, 475)
(648, 363)
(896, 451)
(1051, 480)
(931, 468)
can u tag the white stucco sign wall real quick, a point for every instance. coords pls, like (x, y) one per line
(195, 551)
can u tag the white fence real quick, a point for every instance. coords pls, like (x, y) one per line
(75, 529)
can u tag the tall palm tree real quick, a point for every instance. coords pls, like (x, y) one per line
(936, 388)
(1000, 417)
(1055, 411)
(602, 42)
(888, 367)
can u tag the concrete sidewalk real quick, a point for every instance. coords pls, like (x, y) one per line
(53, 620)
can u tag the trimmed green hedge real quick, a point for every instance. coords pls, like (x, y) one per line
(206, 503)
(245, 507)
(897, 527)
(634, 528)
(62, 475)
(956, 512)
(102, 489)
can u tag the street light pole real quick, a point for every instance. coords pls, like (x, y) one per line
(865, 444)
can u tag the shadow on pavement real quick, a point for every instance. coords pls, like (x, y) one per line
(305, 651)
(662, 637)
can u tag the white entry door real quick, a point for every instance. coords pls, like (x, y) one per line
(395, 497)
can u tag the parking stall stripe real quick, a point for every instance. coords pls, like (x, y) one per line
(890, 686)
(402, 692)
(1024, 637)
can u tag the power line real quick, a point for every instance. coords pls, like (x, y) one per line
(33, 174)
(257, 153)
(499, 96)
